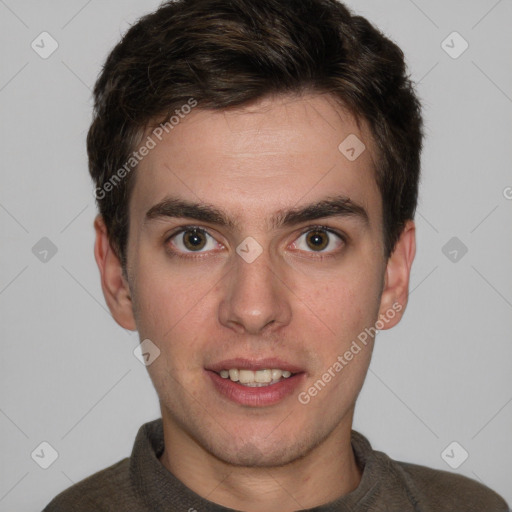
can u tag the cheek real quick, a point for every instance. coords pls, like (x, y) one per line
(170, 303)
(347, 305)
(159, 303)
(345, 302)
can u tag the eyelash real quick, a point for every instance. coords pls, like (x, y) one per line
(192, 255)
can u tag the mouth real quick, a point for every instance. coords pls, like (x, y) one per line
(255, 382)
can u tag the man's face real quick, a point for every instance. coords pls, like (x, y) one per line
(302, 301)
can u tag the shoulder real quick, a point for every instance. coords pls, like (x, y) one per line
(423, 488)
(102, 491)
(443, 491)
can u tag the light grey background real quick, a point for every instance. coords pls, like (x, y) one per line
(68, 373)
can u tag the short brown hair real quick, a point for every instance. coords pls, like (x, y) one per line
(226, 53)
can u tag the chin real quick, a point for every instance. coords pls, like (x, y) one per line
(258, 451)
(259, 456)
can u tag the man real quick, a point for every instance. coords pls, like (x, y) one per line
(256, 166)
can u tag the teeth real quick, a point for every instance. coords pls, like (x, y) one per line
(263, 376)
(255, 378)
(245, 376)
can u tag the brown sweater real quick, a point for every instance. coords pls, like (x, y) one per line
(141, 483)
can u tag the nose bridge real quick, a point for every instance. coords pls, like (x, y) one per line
(254, 297)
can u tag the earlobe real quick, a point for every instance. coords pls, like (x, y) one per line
(396, 288)
(113, 283)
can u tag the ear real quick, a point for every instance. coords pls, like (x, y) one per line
(114, 285)
(396, 279)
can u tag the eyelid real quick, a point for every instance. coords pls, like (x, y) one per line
(321, 227)
(188, 227)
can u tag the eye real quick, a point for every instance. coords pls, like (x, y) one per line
(192, 239)
(319, 239)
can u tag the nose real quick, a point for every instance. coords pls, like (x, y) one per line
(255, 298)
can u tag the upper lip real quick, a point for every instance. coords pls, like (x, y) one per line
(254, 365)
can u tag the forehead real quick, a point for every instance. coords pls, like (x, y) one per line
(254, 161)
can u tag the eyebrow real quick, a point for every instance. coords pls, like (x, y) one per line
(338, 206)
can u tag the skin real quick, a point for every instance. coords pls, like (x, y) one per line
(278, 153)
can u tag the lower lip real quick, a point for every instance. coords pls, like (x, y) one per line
(256, 397)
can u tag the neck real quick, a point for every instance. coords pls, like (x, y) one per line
(326, 473)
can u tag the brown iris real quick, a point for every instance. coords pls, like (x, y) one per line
(314, 239)
(194, 239)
